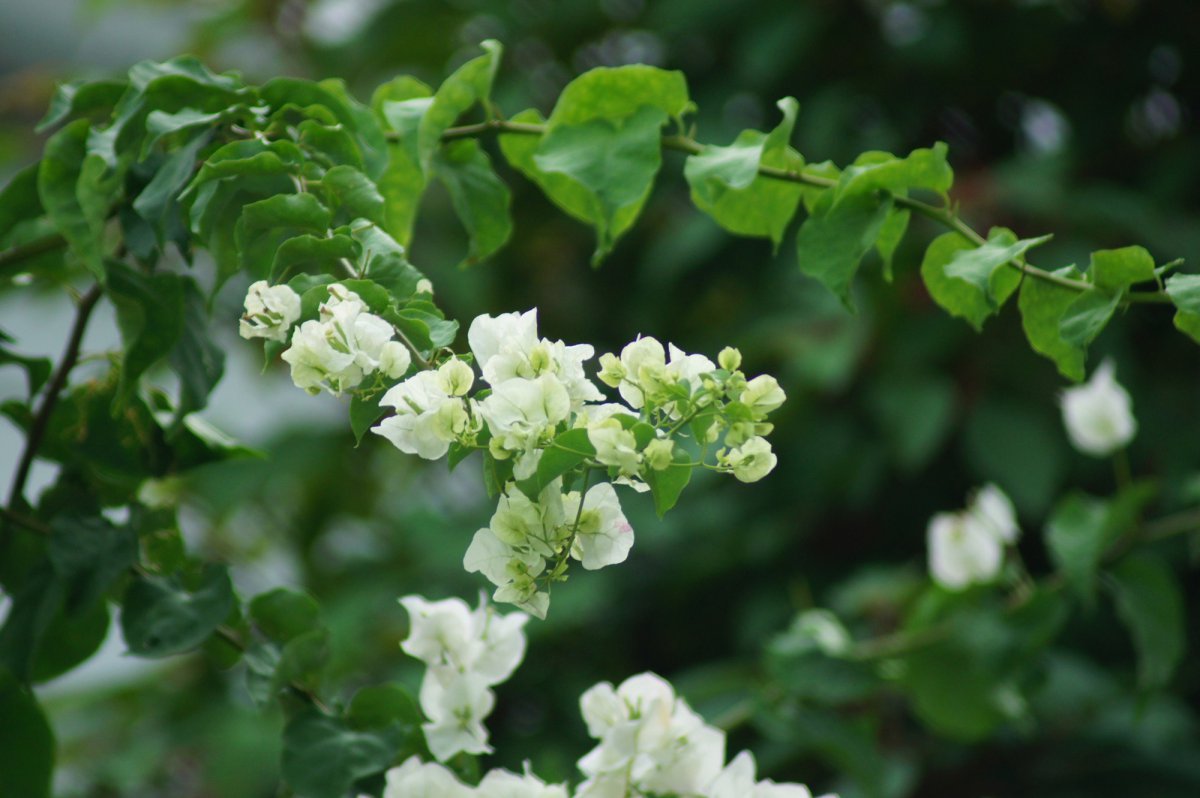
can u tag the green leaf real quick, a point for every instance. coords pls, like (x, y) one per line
(302, 211)
(619, 92)
(37, 369)
(81, 98)
(150, 315)
(349, 114)
(282, 614)
(567, 451)
(1078, 534)
(197, 359)
(323, 756)
(89, 554)
(1150, 602)
(954, 692)
(1043, 305)
(976, 265)
(312, 253)
(386, 263)
(668, 484)
(402, 102)
(161, 193)
(889, 238)
(1114, 270)
(833, 240)
(470, 83)
(26, 743)
(959, 297)
(349, 190)
(364, 412)
(480, 198)
(614, 160)
(162, 616)
(1086, 316)
(1184, 290)
(303, 658)
(59, 176)
(382, 705)
(881, 171)
(725, 183)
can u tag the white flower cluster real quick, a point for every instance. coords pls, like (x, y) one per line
(967, 547)
(1099, 414)
(537, 389)
(334, 352)
(650, 743)
(466, 653)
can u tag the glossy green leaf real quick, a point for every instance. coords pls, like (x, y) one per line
(26, 743)
(959, 297)
(725, 183)
(667, 485)
(163, 616)
(348, 190)
(1043, 305)
(352, 116)
(480, 198)
(1150, 602)
(834, 239)
(312, 253)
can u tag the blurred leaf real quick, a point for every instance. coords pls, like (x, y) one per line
(364, 412)
(59, 175)
(916, 412)
(1114, 270)
(480, 199)
(323, 756)
(470, 83)
(89, 554)
(881, 171)
(282, 614)
(1150, 603)
(1086, 317)
(1019, 449)
(162, 616)
(403, 103)
(26, 743)
(78, 98)
(1184, 290)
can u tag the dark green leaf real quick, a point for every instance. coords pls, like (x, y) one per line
(480, 198)
(59, 176)
(567, 451)
(323, 756)
(89, 554)
(196, 358)
(1150, 603)
(150, 314)
(162, 616)
(282, 614)
(364, 412)
(668, 484)
(26, 743)
(833, 240)
(349, 190)
(81, 98)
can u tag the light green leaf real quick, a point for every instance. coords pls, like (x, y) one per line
(614, 160)
(364, 412)
(726, 185)
(1150, 602)
(26, 743)
(976, 265)
(833, 240)
(161, 616)
(1114, 270)
(1086, 316)
(890, 236)
(881, 171)
(1184, 290)
(480, 198)
(402, 102)
(1043, 305)
(567, 451)
(618, 92)
(667, 485)
(959, 297)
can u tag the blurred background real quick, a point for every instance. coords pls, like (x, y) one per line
(1071, 117)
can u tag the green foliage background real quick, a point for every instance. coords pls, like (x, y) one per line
(1071, 118)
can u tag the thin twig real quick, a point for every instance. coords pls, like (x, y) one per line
(50, 398)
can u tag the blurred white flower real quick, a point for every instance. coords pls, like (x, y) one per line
(963, 550)
(1099, 413)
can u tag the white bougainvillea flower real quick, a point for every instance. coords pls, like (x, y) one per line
(337, 351)
(440, 632)
(270, 312)
(762, 395)
(604, 536)
(615, 445)
(456, 703)
(1099, 413)
(963, 550)
(428, 418)
(643, 362)
(521, 413)
(417, 779)
(737, 781)
(650, 741)
(503, 784)
(991, 506)
(507, 347)
(394, 359)
(687, 369)
(751, 461)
